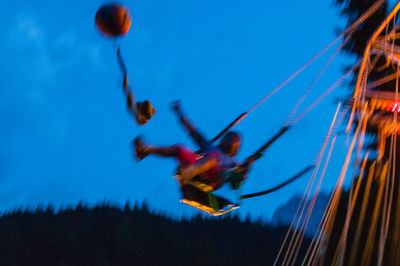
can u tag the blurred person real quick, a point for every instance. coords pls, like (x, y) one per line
(213, 165)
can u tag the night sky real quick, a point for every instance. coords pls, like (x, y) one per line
(66, 135)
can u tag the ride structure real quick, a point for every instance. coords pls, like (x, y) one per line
(359, 225)
(203, 192)
(373, 200)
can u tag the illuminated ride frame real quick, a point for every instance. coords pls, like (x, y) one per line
(383, 104)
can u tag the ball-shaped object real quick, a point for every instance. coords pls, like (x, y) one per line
(113, 20)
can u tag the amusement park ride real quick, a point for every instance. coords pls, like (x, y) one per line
(114, 21)
(360, 225)
(373, 108)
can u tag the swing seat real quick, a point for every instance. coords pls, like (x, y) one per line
(206, 201)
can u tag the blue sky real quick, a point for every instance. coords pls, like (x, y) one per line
(65, 131)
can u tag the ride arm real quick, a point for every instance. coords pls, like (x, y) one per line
(300, 174)
(231, 125)
(255, 156)
(196, 136)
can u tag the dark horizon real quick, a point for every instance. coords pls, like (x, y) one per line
(110, 236)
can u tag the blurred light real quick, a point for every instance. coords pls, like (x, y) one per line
(395, 107)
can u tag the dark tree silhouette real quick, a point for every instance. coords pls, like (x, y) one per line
(106, 235)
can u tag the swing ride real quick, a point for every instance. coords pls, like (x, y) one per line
(373, 109)
(114, 21)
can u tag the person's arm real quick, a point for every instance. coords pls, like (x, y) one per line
(130, 99)
(143, 113)
(121, 63)
(196, 136)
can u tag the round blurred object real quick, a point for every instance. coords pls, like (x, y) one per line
(113, 20)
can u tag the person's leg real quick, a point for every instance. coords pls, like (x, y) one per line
(142, 150)
(182, 154)
(163, 151)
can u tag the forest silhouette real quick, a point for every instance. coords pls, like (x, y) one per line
(108, 235)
